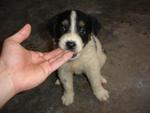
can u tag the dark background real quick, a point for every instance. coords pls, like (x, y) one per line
(125, 36)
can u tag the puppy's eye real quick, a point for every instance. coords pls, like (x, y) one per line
(82, 31)
(63, 29)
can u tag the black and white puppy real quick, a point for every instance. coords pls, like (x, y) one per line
(76, 31)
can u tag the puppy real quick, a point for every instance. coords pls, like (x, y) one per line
(76, 31)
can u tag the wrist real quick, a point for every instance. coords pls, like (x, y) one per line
(6, 87)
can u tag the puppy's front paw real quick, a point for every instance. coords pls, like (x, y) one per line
(102, 95)
(68, 98)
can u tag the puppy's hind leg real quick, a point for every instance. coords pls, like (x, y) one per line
(94, 78)
(67, 81)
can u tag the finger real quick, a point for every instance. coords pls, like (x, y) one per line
(56, 57)
(51, 56)
(36, 56)
(22, 34)
(39, 56)
(59, 61)
(49, 67)
(53, 53)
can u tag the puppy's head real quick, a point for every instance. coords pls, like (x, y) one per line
(71, 30)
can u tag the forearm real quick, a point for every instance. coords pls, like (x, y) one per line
(6, 87)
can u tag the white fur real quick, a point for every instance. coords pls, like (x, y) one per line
(71, 37)
(90, 62)
(73, 21)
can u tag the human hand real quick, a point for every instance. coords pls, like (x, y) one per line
(26, 69)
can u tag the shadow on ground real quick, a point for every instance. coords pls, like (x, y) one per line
(125, 37)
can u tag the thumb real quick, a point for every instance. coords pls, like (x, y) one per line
(22, 34)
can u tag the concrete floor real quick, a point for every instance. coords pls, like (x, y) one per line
(125, 37)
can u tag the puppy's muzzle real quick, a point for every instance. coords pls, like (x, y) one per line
(71, 41)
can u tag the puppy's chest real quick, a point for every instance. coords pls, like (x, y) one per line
(77, 67)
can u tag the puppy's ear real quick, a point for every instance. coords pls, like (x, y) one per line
(95, 25)
(52, 26)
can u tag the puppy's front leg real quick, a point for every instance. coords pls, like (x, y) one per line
(94, 77)
(66, 78)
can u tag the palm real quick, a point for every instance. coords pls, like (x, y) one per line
(25, 65)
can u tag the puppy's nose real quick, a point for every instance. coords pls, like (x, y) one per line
(70, 45)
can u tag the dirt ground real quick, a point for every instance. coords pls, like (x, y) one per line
(125, 36)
